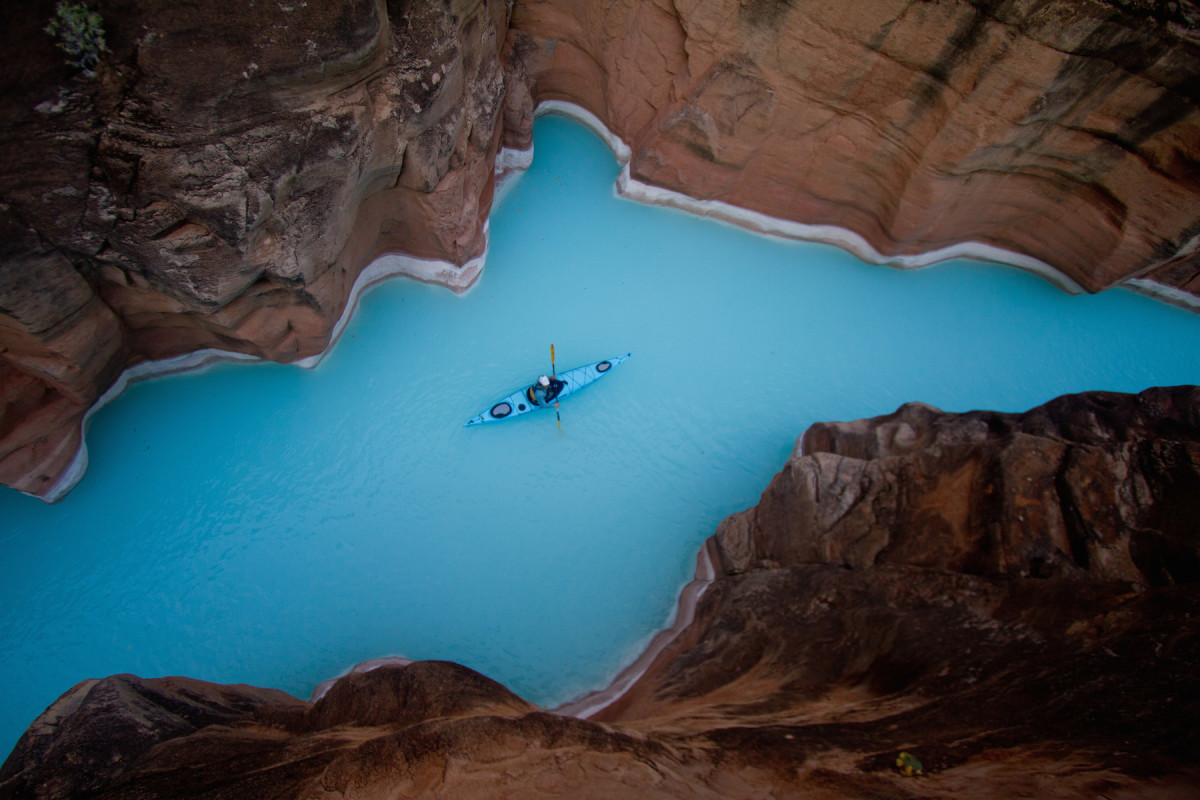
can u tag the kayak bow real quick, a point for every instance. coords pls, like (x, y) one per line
(519, 402)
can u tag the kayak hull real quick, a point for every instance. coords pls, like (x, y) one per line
(519, 403)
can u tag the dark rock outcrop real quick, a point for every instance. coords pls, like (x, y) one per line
(983, 588)
(1095, 486)
(220, 183)
(1012, 598)
(406, 696)
(92, 735)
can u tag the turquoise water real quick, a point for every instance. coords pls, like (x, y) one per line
(272, 525)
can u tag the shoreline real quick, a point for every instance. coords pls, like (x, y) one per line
(683, 616)
(1164, 293)
(384, 267)
(629, 188)
(592, 702)
(359, 668)
(508, 166)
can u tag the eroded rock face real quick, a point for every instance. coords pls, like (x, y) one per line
(221, 182)
(1066, 490)
(1068, 131)
(883, 542)
(395, 731)
(874, 602)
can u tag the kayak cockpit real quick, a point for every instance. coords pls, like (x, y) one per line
(540, 395)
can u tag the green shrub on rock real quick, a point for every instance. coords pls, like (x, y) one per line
(80, 34)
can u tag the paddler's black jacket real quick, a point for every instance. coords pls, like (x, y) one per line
(539, 396)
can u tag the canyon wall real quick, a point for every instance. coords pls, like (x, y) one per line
(1066, 130)
(1012, 599)
(221, 182)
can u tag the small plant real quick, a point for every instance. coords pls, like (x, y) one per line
(80, 34)
(909, 765)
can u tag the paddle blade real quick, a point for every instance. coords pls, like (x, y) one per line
(553, 370)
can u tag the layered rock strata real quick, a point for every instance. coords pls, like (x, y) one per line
(1066, 131)
(221, 182)
(1011, 598)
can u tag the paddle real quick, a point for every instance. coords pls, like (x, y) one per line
(554, 377)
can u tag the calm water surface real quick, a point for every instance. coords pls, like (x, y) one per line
(271, 525)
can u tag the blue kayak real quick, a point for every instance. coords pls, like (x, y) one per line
(523, 400)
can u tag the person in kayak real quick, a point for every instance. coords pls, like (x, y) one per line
(545, 390)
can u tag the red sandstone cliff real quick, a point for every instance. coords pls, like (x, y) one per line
(1068, 131)
(1012, 598)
